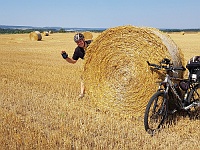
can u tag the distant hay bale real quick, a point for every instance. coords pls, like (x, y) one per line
(88, 35)
(46, 33)
(116, 74)
(183, 33)
(35, 36)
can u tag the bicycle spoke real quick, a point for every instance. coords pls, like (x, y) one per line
(155, 113)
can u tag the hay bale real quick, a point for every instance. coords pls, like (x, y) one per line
(116, 74)
(35, 36)
(88, 35)
(46, 33)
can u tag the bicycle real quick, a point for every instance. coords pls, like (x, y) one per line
(173, 94)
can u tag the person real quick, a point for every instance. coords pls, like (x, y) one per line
(79, 52)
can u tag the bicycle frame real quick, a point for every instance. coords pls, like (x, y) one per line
(168, 84)
(173, 94)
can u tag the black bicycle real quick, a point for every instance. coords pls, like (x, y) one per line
(174, 94)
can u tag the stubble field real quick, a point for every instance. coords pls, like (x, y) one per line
(40, 109)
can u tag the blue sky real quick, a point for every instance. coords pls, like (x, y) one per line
(179, 14)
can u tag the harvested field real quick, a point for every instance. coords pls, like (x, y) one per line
(39, 107)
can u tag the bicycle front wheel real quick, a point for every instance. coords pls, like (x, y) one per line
(155, 113)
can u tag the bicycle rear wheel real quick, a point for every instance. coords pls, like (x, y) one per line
(155, 113)
(194, 95)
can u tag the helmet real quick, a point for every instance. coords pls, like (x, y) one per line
(78, 36)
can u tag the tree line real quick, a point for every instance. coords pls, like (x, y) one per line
(62, 30)
(23, 31)
(180, 30)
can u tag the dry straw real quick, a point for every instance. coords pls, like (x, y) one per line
(116, 74)
(46, 33)
(183, 33)
(35, 36)
(88, 35)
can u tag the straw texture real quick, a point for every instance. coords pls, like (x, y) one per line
(35, 36)
(46, 33)
(88, 35)
(116, 74)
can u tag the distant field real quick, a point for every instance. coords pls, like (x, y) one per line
(39, 104)
(189, 43)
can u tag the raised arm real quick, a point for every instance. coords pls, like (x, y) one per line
(69, 60)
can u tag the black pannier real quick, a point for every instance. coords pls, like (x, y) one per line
(193, 66)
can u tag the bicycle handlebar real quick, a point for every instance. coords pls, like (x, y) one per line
(168, 68)
(154, 65)
(180, 68)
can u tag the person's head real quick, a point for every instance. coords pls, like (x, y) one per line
(79, 39)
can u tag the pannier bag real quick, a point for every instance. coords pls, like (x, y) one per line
(184, 85)
(193, 66)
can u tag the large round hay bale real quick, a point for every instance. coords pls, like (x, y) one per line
(88, 35)
(46, 33)
(35, 36)
(116, 74)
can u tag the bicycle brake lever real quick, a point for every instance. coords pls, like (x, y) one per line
(148, 63)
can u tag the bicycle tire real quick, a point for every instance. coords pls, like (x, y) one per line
(154, 116)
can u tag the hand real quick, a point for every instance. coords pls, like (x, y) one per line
(64, 54)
